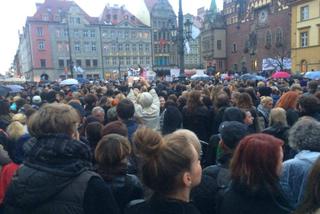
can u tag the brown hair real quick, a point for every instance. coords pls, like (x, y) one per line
(165, 159)
(288, 100)
(194, 100)
(53, 118)
(245, 101)
(115, 127)
(111, 155)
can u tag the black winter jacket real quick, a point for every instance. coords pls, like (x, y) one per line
(56, 178)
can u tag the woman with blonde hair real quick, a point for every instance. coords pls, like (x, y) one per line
(170, 168)
(56, 172)
(278, 127)
(266, 104)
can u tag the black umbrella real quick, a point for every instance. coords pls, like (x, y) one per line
(4, 91)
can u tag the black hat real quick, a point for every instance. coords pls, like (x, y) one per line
(232, 132)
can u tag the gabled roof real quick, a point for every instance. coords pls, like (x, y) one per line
(57, 7)
(115, 15)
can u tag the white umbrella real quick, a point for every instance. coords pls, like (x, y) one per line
(199, 76)
(69, 82)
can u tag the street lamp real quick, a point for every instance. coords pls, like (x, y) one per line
(65, 20)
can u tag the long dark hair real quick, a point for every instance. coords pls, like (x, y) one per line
(311, 201)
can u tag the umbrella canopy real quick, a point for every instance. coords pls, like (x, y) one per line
(252, 77)
(200, 77)
(15, 88)
(69, 82)
(83, 80)
(4, 91)
(313, 75)
(280, 75)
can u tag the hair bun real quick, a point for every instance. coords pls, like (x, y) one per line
(147, 142)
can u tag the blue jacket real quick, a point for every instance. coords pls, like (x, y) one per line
(295, 175)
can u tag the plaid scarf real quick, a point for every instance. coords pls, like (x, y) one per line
(59, 155)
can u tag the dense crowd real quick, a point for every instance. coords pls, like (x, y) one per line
(161, 147)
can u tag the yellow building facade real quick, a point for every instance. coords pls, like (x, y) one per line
(305, 35)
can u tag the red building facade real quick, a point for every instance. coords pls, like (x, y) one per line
(257, 31)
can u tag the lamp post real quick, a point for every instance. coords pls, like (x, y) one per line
(65, 20)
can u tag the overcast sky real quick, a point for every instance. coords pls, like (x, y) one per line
(13, 14)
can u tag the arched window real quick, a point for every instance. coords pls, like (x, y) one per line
(279, 37)
(268, 38)
(304, 66)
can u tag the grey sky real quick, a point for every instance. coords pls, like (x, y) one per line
(13, 14)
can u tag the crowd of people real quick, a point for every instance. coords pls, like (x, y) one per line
(134, 147)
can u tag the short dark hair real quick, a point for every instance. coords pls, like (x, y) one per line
(310, 104)
(125, 109)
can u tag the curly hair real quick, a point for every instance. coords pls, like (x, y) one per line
(305, 135)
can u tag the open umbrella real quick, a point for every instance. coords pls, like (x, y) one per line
(313, 75)
(4, 91)
(280, 75)
(69, 82)
(15, 88)
(200, 77)
(252, 77)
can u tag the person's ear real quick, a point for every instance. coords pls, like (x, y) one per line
(187, 180)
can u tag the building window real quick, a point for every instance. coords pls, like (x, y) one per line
(304, 66)
(93, 33)
(304, 39)
(78, 62)
(85, 33)
(279, 37)
(114, 47)
(88, 63)
(220, 64)
(65, 32)
(95, 63)
(61, 63)
(268, 39)
(304, 13)
(128, 61)
(147, 47)
(77, 46)
(234, 48)
(141, 60)
(115, 17)
(78, 20)
(126, 34)
(134, 60)
(121, 60)
(148, 60)
(39, 31)
(219, 44)
(43, 63)
(127, 47)
(41, 45)
(114, 61)
(45, 17)
(107, 60)
(58, 33)
(140, 47)
(86, 46)
(120, 47)
(93, 46)
(76, 33)
(134, 47)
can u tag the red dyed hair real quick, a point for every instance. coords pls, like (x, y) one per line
(288, 100)
(256, 159)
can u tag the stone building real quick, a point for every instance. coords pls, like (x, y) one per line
(126, 41)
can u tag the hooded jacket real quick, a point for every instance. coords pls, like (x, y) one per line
(55, 178)
(147, 107)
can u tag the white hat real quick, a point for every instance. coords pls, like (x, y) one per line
(36, 99)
